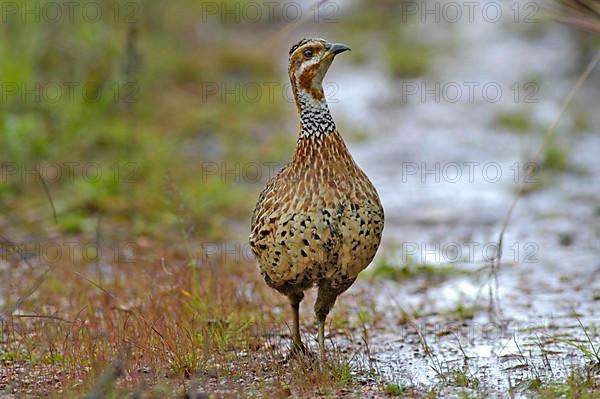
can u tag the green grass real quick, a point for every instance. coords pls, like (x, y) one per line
(345, 376)
(169, 108)
(579, 384)
(394, 389)
(461, 378)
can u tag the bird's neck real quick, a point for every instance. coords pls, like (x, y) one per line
(319, 139)
(328, 153)
(315, 118)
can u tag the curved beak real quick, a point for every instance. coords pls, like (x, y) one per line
(336, 48)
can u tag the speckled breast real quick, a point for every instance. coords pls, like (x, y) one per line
(320, 218)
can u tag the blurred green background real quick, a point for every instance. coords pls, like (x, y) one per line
(157, 119)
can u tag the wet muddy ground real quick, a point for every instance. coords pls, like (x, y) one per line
(447, 173)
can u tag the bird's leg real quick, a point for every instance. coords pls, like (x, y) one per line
(321, 339)
(325, 300)
(297, 345)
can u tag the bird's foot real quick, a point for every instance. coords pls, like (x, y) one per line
(299, 353)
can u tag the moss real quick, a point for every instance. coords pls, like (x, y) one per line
(385, 268)
(74, 222)
(555, 158)
(580, 122)
(518, 122)
(464, 312)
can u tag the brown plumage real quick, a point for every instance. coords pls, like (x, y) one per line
(319, 221)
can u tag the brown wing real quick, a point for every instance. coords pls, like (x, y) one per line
(262, 217)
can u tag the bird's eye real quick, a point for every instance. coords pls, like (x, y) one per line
(308, 53)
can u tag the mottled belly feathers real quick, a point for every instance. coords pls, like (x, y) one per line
(319, 218)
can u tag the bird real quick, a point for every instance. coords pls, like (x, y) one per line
(319, 221)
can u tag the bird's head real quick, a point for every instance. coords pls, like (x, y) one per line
(310, 60)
